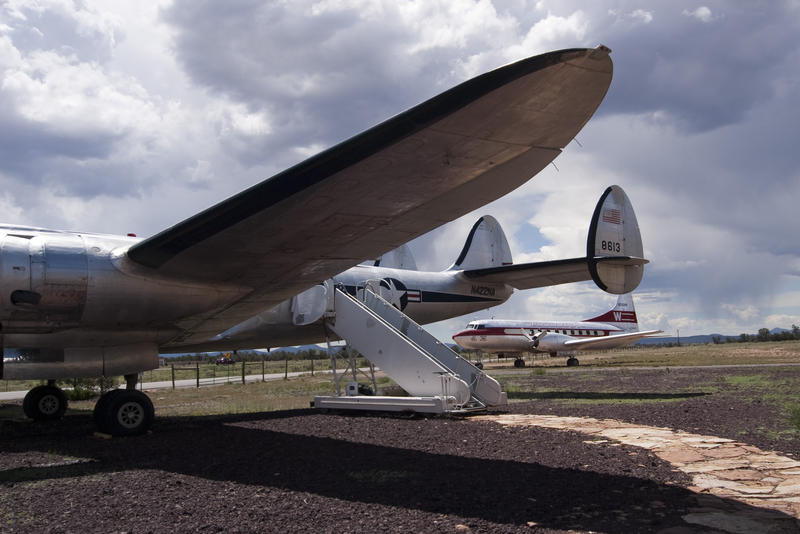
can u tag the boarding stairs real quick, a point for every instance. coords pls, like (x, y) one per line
(437, 379)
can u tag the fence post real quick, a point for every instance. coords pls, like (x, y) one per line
(312, 366)
(197, 368)
(244, 364)
(263, 367)
(173, 375)
(286, 367)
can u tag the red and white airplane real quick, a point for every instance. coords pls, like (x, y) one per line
(617, 327)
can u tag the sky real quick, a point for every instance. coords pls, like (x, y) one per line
(120, 117)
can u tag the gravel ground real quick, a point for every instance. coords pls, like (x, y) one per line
(303, 471)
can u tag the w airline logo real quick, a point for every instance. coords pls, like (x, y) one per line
(615, 316)
(624, 317)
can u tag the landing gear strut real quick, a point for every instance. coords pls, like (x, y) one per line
(124, 412)
(45, 403)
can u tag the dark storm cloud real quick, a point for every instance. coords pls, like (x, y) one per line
(321, 77)
(702, 74)
(24, 145)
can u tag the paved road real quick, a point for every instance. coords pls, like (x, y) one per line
(185, 383)
(192, 382)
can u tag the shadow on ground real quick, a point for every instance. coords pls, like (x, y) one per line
(597, 395)
(246, 450)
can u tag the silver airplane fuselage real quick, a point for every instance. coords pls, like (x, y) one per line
(425, 296)
(80, 297)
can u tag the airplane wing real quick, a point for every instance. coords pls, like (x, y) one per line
(547, 273)
(609, 342)
(359, 199)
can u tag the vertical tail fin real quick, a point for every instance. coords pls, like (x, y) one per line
(399, 258)
(486, 246)
(622, 315)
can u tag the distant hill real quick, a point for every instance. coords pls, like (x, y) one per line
(706, 338)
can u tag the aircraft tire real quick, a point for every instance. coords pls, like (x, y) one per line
(124, 412)
(45, 403)
(100, 409)
(479, 365)
(571, 362)
(519, 362)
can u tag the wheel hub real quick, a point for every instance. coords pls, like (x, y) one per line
(48, 404)
(130, 415)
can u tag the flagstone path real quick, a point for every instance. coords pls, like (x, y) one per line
(721, 470)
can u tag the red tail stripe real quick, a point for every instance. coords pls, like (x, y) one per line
(615, 317)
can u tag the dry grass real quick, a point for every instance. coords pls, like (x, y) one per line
(686, 355)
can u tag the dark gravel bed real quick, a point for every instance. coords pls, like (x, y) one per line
(303, 471)
(740, 403)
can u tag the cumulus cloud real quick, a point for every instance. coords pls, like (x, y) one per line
(702, 13)
(117, 117)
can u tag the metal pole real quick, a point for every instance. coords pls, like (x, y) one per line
(286, 367)
(197, 372)
(173, 375)
(263, 367)
(243, 366)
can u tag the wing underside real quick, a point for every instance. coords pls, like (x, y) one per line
(382, 188)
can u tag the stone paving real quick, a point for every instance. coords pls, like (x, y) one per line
(720, 469)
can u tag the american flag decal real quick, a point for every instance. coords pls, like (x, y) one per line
(612, 216)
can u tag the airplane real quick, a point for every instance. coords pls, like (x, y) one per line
(75, 304)
(616, 328)
(482, 276)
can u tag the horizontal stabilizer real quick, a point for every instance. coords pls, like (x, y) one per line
(537, 274)
(547, 273)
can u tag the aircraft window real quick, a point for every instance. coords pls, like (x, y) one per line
(478, 327)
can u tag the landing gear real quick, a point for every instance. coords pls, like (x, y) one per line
(124, 412)
(572, 361)
(519, 362)
(45, 403)
(479, 365)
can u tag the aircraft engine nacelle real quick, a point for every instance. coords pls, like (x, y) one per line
(79, 362)
(54, 281)
(43, 279)
(552, 342)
